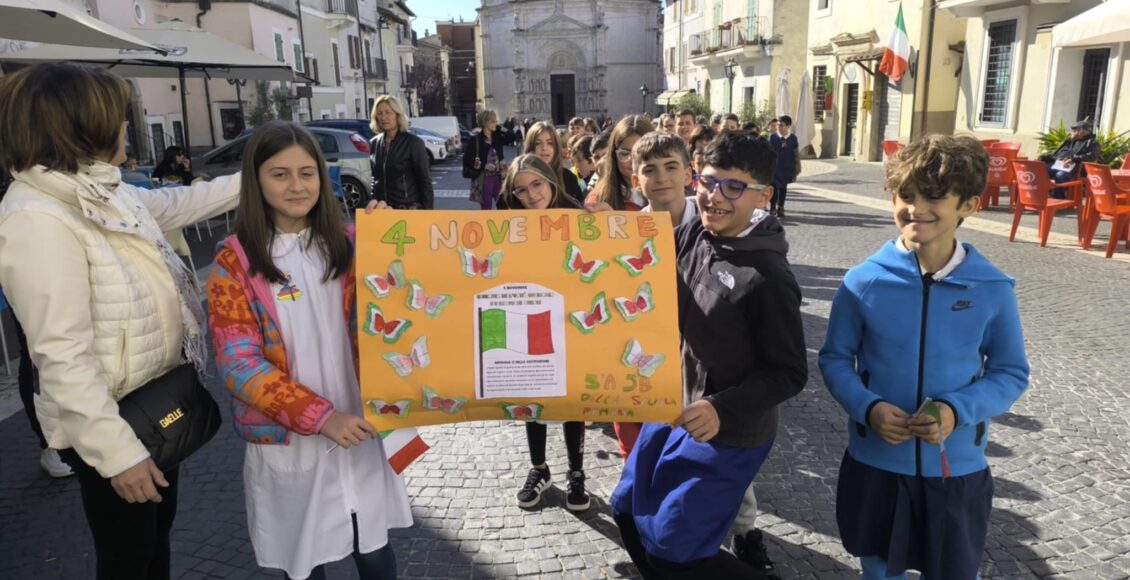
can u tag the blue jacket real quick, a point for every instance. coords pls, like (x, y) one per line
(892, 339)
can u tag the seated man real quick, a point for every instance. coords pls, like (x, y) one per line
(1063, 164)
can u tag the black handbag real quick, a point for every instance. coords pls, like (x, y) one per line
(470, 172)
(173, 415)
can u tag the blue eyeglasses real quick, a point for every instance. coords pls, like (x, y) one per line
(731, 189)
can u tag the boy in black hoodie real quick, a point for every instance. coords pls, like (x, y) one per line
(743, 354)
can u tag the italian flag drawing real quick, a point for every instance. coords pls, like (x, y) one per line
(897, 52)
(524, 333)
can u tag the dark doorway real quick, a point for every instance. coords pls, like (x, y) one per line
(563, 98)
(851, 117)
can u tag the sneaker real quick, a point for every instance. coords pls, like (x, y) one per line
(536, 483)
(576, 500)
(751, 550)
(50, 461)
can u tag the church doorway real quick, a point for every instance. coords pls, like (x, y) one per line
(563, 98)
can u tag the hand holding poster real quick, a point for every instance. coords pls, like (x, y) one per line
(556, 315)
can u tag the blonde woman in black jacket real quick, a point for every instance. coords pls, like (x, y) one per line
(402, 176)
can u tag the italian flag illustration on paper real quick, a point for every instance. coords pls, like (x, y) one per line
(524, 333)
(519, 342)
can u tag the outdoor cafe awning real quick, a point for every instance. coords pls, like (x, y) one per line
(1107, 23)
(664, 98)
(57, 21)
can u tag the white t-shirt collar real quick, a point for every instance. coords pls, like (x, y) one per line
(955, 260)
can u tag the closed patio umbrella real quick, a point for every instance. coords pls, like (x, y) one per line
(57, 22)
(784, 94)
(191, 53)
(802, 122)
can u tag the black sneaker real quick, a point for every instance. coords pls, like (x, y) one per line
(536, 483)
(751, 550)
(577, 500)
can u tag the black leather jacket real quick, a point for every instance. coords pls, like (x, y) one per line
(402, 175)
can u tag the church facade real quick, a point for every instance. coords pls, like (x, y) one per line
(556, 59)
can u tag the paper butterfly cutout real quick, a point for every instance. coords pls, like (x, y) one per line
(397, 408)
(586, 321)
(636, 264)
(574, 262)
(381, 286)
(433, 401)
(531, 412)
(473, 266)
(389, 329)
(417, 358)
(646, 364)
(631, 308)
(418, 299)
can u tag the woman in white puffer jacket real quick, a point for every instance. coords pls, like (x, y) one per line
(106, 304)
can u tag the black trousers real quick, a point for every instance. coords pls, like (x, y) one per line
(26, 378)
(131, 540)
(574, 443)
(779, 193)
(722, 565)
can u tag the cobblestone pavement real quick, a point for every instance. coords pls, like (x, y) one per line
(1060, 456)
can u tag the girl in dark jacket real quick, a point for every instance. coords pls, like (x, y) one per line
(174, 167)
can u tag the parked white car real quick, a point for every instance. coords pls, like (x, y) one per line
(437, 146)
(446, 127)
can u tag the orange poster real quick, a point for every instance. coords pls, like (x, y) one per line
(554, 315)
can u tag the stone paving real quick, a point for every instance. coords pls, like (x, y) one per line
(1060, 457)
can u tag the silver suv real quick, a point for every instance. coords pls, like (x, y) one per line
(341, 148)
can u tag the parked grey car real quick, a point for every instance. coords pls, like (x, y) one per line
(342, 148)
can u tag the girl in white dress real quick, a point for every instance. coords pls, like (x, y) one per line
(281, 306)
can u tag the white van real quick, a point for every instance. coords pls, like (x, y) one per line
(446, 126)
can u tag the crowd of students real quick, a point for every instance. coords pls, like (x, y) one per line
(914, 490)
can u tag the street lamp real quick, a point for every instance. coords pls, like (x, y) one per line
(730, 74)
(643, 98)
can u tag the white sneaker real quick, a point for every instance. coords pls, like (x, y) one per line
(50, 461)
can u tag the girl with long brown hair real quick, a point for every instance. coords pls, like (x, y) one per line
(282, 312)
(614, 189)
(542, 141)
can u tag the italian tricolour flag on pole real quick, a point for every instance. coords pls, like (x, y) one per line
(524, 333)
(897, 52)
(402, 446)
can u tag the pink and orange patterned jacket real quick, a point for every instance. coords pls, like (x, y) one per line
(267, 403)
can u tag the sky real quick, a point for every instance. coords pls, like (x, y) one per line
(429, 11)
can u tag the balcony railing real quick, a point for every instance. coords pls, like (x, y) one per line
(747, 31)
(376, 68)
(346, 7)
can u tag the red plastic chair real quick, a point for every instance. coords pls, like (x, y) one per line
(1108, 201)
(891, 147)
(1033, 186)
(1001, 174)
(1126, 161)
(986, 143)
(1005, 145)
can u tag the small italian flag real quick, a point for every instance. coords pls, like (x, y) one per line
(402, 446)
(524, 333)
(897, 52)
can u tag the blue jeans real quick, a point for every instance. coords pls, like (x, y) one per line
(376, 565)
(1059, 176)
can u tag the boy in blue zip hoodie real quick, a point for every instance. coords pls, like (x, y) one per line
(925, 317)
(743, 354)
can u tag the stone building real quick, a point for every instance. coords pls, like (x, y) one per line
(555, 59)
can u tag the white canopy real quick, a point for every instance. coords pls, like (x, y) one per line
(1107, 23)
(192, 53)
(802, 122)
(56, 21)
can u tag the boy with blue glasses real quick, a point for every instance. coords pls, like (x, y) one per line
(743, 354)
